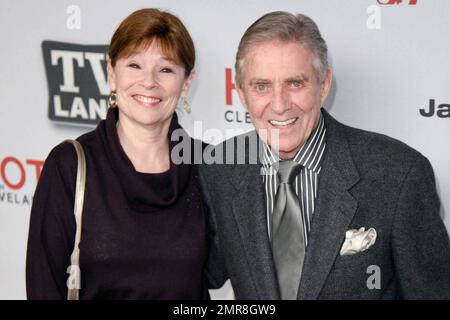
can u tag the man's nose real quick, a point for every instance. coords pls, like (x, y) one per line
(280, 100)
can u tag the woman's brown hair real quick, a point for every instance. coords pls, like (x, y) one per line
(144, 26)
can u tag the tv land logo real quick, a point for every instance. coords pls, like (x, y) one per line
(16, 176)
(77, 82)
(78, 86)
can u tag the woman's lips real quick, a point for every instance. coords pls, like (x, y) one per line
(147, 100)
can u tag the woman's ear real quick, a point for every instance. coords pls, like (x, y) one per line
(187, 83)
(111, 76)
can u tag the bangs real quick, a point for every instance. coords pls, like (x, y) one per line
(167, 49)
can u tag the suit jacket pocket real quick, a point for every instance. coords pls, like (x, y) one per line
(364, 258)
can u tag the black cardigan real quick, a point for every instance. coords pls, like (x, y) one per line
(143, 235)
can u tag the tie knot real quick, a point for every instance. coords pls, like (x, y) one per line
(288, 170)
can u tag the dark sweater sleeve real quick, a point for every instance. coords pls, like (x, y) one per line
(52, 226)
(421, 246)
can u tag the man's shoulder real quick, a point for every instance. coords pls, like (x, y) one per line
(220, 159)
(376, 149)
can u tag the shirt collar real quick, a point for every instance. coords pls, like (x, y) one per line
(310, 154)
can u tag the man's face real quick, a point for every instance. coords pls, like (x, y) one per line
(283, 94)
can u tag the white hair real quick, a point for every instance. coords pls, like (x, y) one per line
(286, 27)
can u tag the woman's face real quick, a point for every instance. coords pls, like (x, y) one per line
(148, 86)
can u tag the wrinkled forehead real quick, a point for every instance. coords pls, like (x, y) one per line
(288, 59)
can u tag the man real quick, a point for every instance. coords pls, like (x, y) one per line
(326, 211)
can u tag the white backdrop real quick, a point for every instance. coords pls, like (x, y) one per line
(389, 61)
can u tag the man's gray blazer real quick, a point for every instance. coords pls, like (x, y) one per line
(367, 180)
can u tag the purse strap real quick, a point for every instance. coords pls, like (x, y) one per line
(74, 280)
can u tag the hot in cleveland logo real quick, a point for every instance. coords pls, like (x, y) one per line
(18, 179)
(237, 115)
(77, 82)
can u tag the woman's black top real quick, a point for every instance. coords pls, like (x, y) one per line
(143, 235)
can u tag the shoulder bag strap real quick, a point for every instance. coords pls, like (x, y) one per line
(74, 280)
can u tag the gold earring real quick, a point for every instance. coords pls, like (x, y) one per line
(186, 106)
(112, 100)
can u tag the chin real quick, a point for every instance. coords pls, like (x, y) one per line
(289, 148)
(148, 120)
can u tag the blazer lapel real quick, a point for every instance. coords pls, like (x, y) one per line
(250, 214)
(334, 210)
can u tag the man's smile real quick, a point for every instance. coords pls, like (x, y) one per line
(283, 123)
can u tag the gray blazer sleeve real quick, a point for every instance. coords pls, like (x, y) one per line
(215, 270)
(420, 242)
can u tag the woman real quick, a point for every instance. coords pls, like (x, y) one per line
(143, 228)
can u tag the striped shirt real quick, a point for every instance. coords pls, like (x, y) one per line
(310, 157)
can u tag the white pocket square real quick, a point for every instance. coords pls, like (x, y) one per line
(358, 241)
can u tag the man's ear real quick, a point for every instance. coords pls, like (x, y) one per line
(187, 83)
(241, 94)
(326, 85)
(111, 76)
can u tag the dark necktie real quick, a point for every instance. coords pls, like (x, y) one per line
(288, 239)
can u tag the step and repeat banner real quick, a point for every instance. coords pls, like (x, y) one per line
(391, 62)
